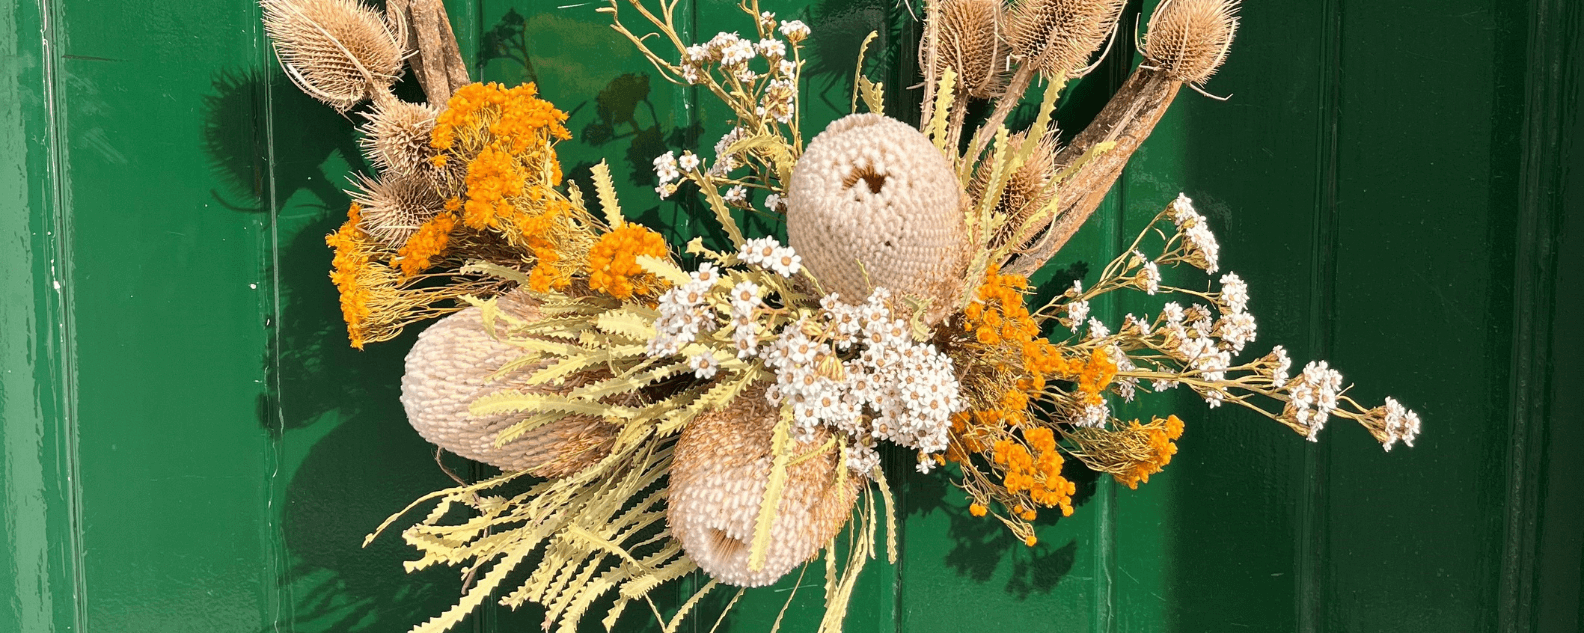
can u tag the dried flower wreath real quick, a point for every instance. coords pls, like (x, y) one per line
(727, 418)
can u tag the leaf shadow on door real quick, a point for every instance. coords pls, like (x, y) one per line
(345, 457)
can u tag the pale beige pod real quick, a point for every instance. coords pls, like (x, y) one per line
(872, 203)
(718, 478)
(450, 366)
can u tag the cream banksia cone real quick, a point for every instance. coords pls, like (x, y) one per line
(449, 368)
(718, 479)
(338, 51)
(871, 204)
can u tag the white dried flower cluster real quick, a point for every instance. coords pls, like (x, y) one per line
(725, 161)
(1236, 327)
(775, 203)
(1200, 244)
(1077, 310)
(893, 389)
(737, 196)
(1401, 424)
(766, 252)
(1312, 396)
(1149, 278)
(666, 170)
(1190, 339)
(795, 31)
(745, 302)
(780, 97)
(684, 313)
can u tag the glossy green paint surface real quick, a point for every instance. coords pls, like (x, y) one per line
(189, 445)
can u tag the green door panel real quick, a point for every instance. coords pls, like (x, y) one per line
(189, 444)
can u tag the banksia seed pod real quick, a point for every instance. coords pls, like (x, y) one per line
(1057, 37)
(397, 137)
(395, 205)
(971, 45)
(718, 479)
(450, 367)
(871, 204)
(338, 51)
(1188, 39)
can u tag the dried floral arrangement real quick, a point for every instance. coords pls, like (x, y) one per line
(727, 419)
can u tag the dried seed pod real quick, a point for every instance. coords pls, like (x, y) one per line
(1188, 39)
(872, 203)
(971, 45)
(395, 205)
(718, 479)
(1057, 37)
(450, 367)
(1026, 190)
(338, 51)
(397, 137)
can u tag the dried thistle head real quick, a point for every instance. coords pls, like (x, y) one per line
(395, 205)
(1059, 36)
(396, 137)
(972, 45)
(1026, 190)
(338, 51)
(1188, 39)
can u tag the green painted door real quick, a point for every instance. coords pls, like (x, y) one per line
(189, 445)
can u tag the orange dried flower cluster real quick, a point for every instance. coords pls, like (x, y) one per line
(351, 258)
(506, 137)
(1037, 472)
(493, 178)
(427, 243)
(1093, 374)
(513, 115)
(1162, 445)
(613, 262)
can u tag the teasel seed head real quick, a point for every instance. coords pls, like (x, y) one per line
(395, 205)
(1059, 36)
(1188, 39)
(396, 137)
(972, 44)
(338, 51)
(1026, 190)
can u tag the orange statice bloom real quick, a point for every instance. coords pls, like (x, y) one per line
(613, 262)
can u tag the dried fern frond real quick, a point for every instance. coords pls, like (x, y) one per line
(1057, 37)
(395, 205)
(972, 44)
(1189, 39)
(396, 137)
(338, 51)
